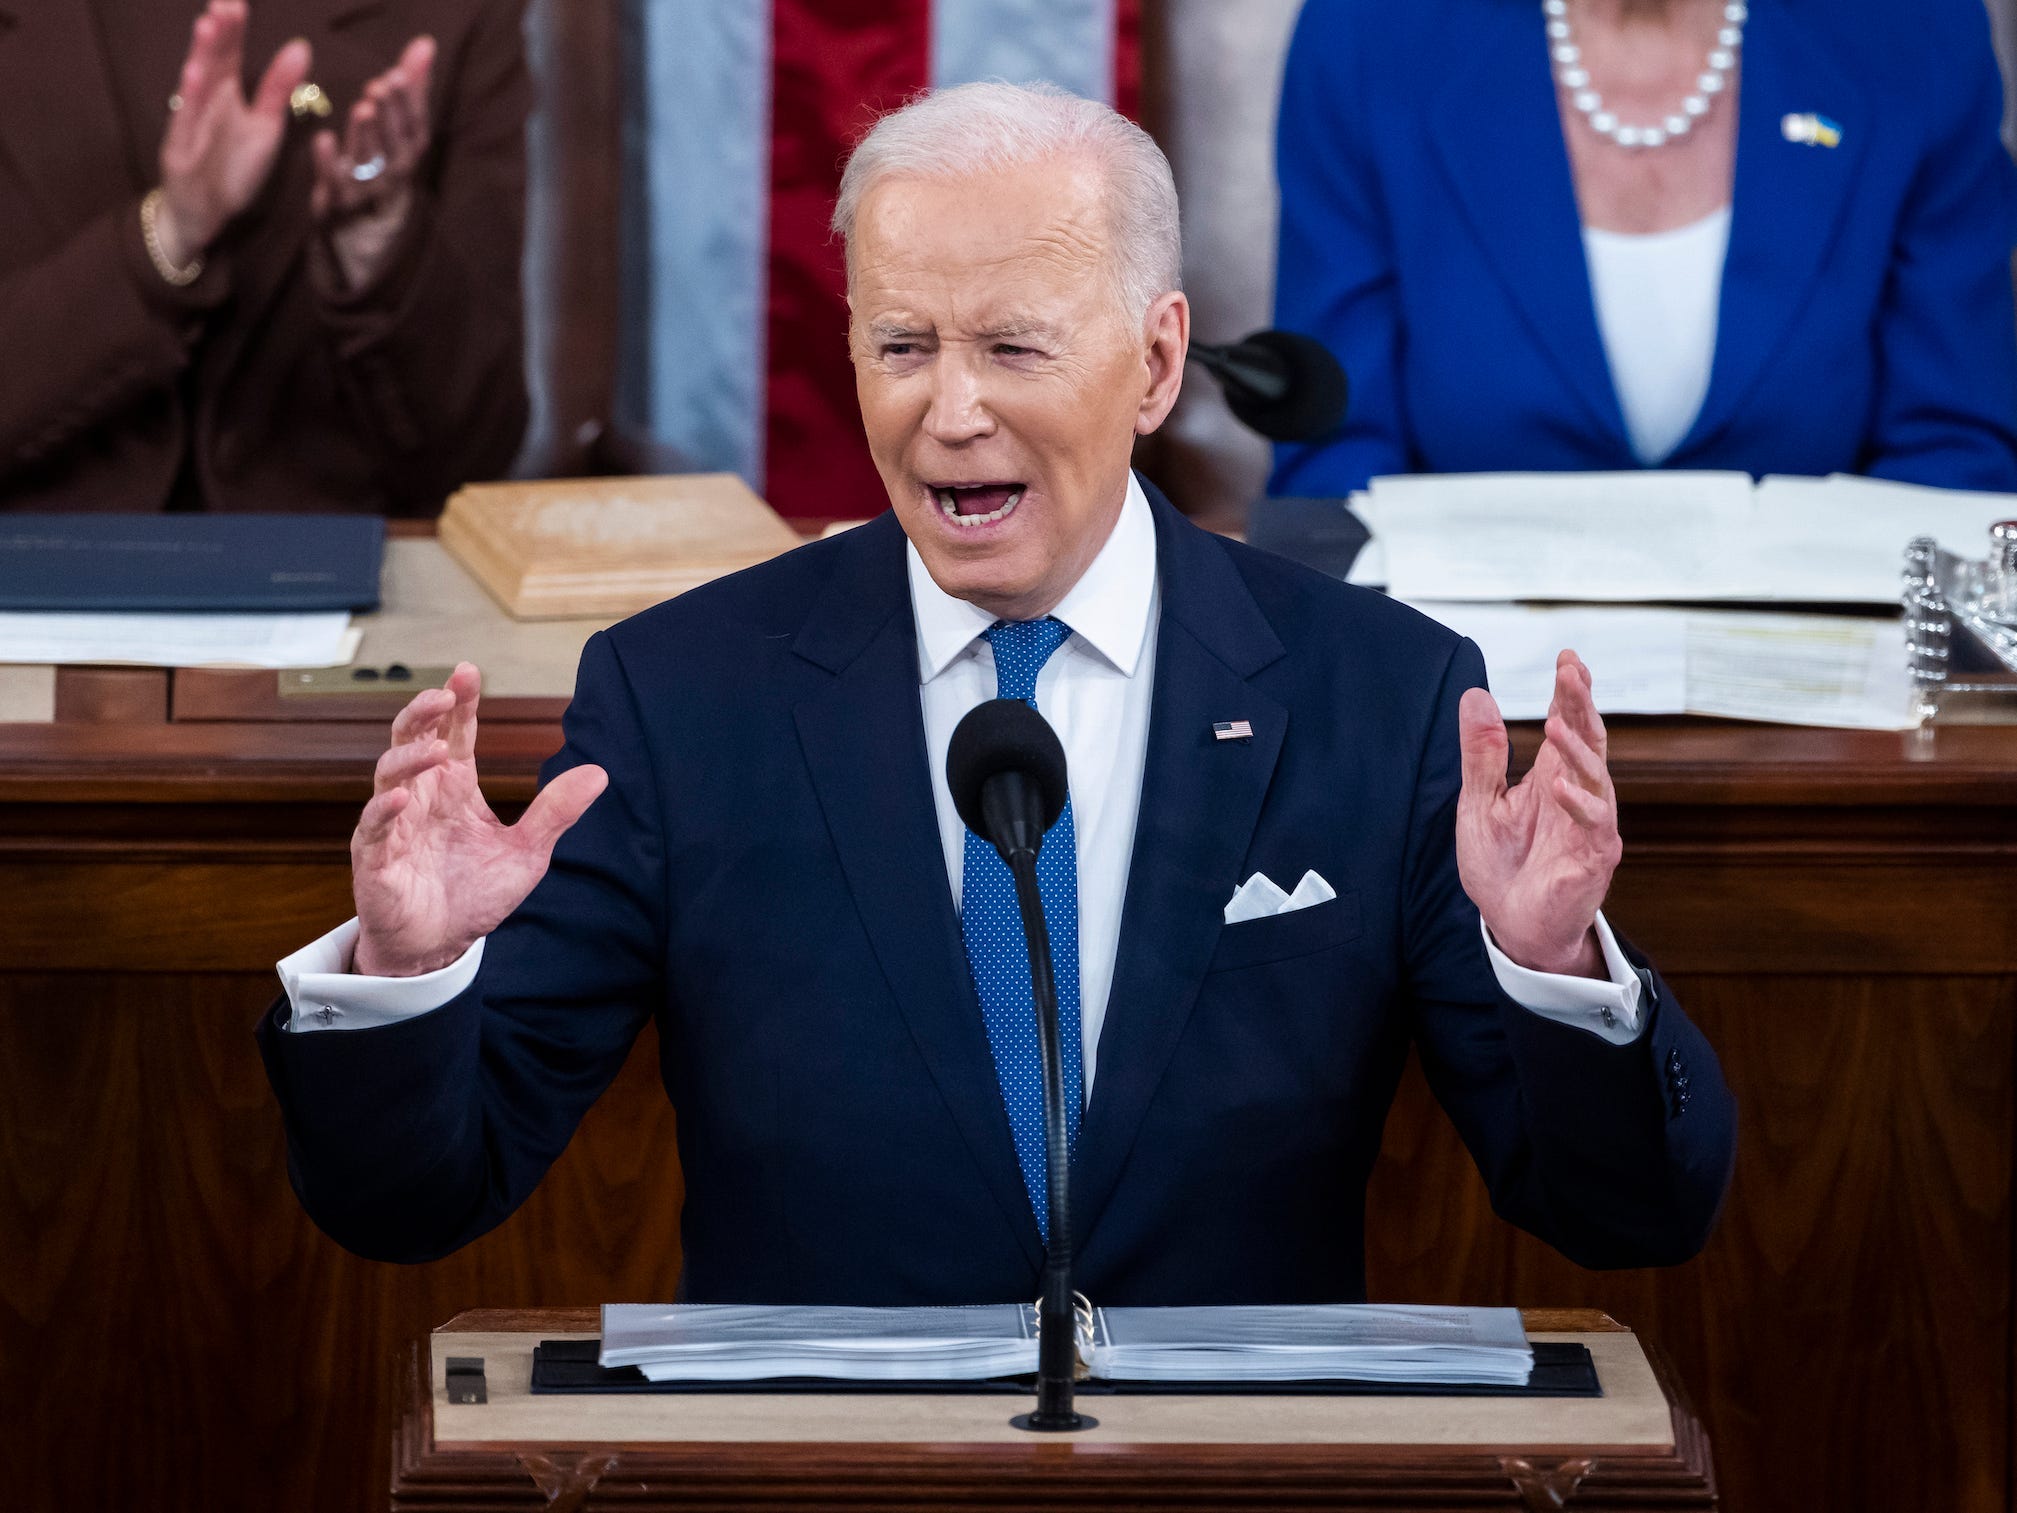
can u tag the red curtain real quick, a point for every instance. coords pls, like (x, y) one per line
(837, 65)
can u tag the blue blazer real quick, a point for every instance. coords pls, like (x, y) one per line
(1430, 235)
(764, 878)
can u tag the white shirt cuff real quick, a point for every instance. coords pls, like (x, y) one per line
(1609, 1010)
(324, 994)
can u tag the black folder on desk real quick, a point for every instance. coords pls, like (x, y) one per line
(1562, 1368)
(278, 564)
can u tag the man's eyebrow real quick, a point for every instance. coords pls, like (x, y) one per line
(1017, 327)
(896, 330)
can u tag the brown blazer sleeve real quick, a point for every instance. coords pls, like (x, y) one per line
(86, 328)
(430, 356)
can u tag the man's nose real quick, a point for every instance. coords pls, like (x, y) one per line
(959, 409)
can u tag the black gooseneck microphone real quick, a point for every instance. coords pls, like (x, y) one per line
(1006, 771)
(1282, 384)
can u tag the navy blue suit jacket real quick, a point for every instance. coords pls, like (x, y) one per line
(1430, 235)
(764, 877)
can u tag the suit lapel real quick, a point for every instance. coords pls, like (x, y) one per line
(863, 738)
(1201, 798)
(61, 134)
(1497, 132)
(1787, 206)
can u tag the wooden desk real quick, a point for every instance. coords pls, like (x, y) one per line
(1637, 1446)
(1836, 910)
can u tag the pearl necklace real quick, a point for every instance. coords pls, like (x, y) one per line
(1708, 84)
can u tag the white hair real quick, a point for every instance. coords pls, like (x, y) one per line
(976, 128)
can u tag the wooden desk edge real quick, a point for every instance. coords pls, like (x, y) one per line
(1057, 1473)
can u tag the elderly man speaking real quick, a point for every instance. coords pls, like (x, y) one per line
(1289, 852)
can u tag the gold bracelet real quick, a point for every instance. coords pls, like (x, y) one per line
(181, 278)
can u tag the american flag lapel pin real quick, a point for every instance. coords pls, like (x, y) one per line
(1232, 730)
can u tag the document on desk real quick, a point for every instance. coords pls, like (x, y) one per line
(322, 639)
(1638, 658)
(1660, 536)
(1837, 670)
(1361, 1342)
(1567, 536)
(730, 1342)
(1353, 1341)
(1844, 671)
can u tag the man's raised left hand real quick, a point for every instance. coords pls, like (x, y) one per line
(1537, 857)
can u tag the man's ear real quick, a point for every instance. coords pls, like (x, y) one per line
(1166, 339)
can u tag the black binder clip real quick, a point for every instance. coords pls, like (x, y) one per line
(465, 1380)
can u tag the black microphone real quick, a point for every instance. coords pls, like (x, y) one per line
(1285, 385)
(1006, 770)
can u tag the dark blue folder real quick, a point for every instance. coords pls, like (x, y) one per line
(276, 563)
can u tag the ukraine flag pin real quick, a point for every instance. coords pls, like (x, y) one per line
(1815, 131)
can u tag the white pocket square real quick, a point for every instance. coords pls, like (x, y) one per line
(1260, 896)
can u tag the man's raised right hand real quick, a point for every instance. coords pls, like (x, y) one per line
(433, 870)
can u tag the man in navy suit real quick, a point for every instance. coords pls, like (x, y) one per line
(1290, 850)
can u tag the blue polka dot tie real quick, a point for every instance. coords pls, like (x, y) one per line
(997, 951)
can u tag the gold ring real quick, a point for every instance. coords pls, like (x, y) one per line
(309, 99)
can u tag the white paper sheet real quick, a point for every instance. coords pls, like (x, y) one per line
(1566, 536)
(1842, 671)
(180, 640)
(1637, 657)
(1799, 670)
(1362, 1341)
(740, 1342)
(1842, 539)
(1388, 1343)
(1648, 537)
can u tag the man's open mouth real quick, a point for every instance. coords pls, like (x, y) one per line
(978, 503)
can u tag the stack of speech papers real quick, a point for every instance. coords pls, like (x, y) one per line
(1686, 593)
(1655, 536)
(700, 1342)
(732, 1342)
(1342, 1341)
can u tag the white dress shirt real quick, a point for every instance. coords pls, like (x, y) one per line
(1659, 300)
(1095, 691)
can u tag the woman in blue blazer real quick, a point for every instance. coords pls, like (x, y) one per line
(1431, 235)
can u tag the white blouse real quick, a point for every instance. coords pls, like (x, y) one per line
(1657, 303)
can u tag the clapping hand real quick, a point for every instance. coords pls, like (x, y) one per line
(1537, 858)
(220, 147)
(363, 191)
(433, 870)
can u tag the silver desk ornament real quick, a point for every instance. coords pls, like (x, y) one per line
(1961, 630)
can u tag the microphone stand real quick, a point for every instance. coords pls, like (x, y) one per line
(1057, 1345)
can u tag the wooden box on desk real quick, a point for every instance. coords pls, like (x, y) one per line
(578, 547)
(1637, 1446)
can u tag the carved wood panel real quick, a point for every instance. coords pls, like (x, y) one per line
(174, 1333)
(1853, 1308)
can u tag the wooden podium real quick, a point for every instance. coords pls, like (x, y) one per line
(1637, 1446)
